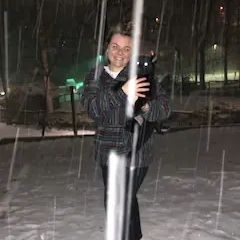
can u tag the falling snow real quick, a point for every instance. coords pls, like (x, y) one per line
(189, 193)
(51, 188)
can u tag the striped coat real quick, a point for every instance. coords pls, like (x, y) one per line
(105, 103)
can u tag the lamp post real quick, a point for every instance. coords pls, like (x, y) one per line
(72, 84)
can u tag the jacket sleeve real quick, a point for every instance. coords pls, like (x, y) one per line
(159, 108)
(97, 101)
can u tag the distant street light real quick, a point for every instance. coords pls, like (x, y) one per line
(70, 82)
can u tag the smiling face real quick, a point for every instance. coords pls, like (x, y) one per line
(118, 52)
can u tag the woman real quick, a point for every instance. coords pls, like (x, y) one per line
(105, 99)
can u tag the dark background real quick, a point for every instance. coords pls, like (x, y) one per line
(67, 30)
(50, 41)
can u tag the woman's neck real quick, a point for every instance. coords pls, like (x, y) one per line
(115, 69)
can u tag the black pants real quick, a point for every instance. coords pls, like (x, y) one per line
(135, 232)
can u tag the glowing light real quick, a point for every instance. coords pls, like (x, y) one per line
(72, 83)
(218, 77)
(157, 20)
(79, 85)
(215, 46)
(100, 58)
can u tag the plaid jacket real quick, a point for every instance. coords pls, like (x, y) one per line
(105, 103)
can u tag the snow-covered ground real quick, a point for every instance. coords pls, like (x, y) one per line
(57, 192)
(11, 131)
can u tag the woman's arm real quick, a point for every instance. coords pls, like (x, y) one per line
(97, 102)
(157, 109)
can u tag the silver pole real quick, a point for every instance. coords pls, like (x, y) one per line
(137, 20)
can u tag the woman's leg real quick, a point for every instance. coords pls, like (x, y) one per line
(135, 232)
(105, 179)
(134, 225)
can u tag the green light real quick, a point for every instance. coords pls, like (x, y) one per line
(79, 85)
(100, 58)
(71, 82)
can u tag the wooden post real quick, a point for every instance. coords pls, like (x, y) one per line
(73, 111)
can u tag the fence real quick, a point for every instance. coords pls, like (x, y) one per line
(68, 113)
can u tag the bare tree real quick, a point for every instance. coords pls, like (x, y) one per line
(195, 23)
(204, 22)
(2, 61)
(227, 19)
(2, 46)
(45, 54)
(169, 21)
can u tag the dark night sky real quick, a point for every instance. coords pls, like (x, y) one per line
(63, 22)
